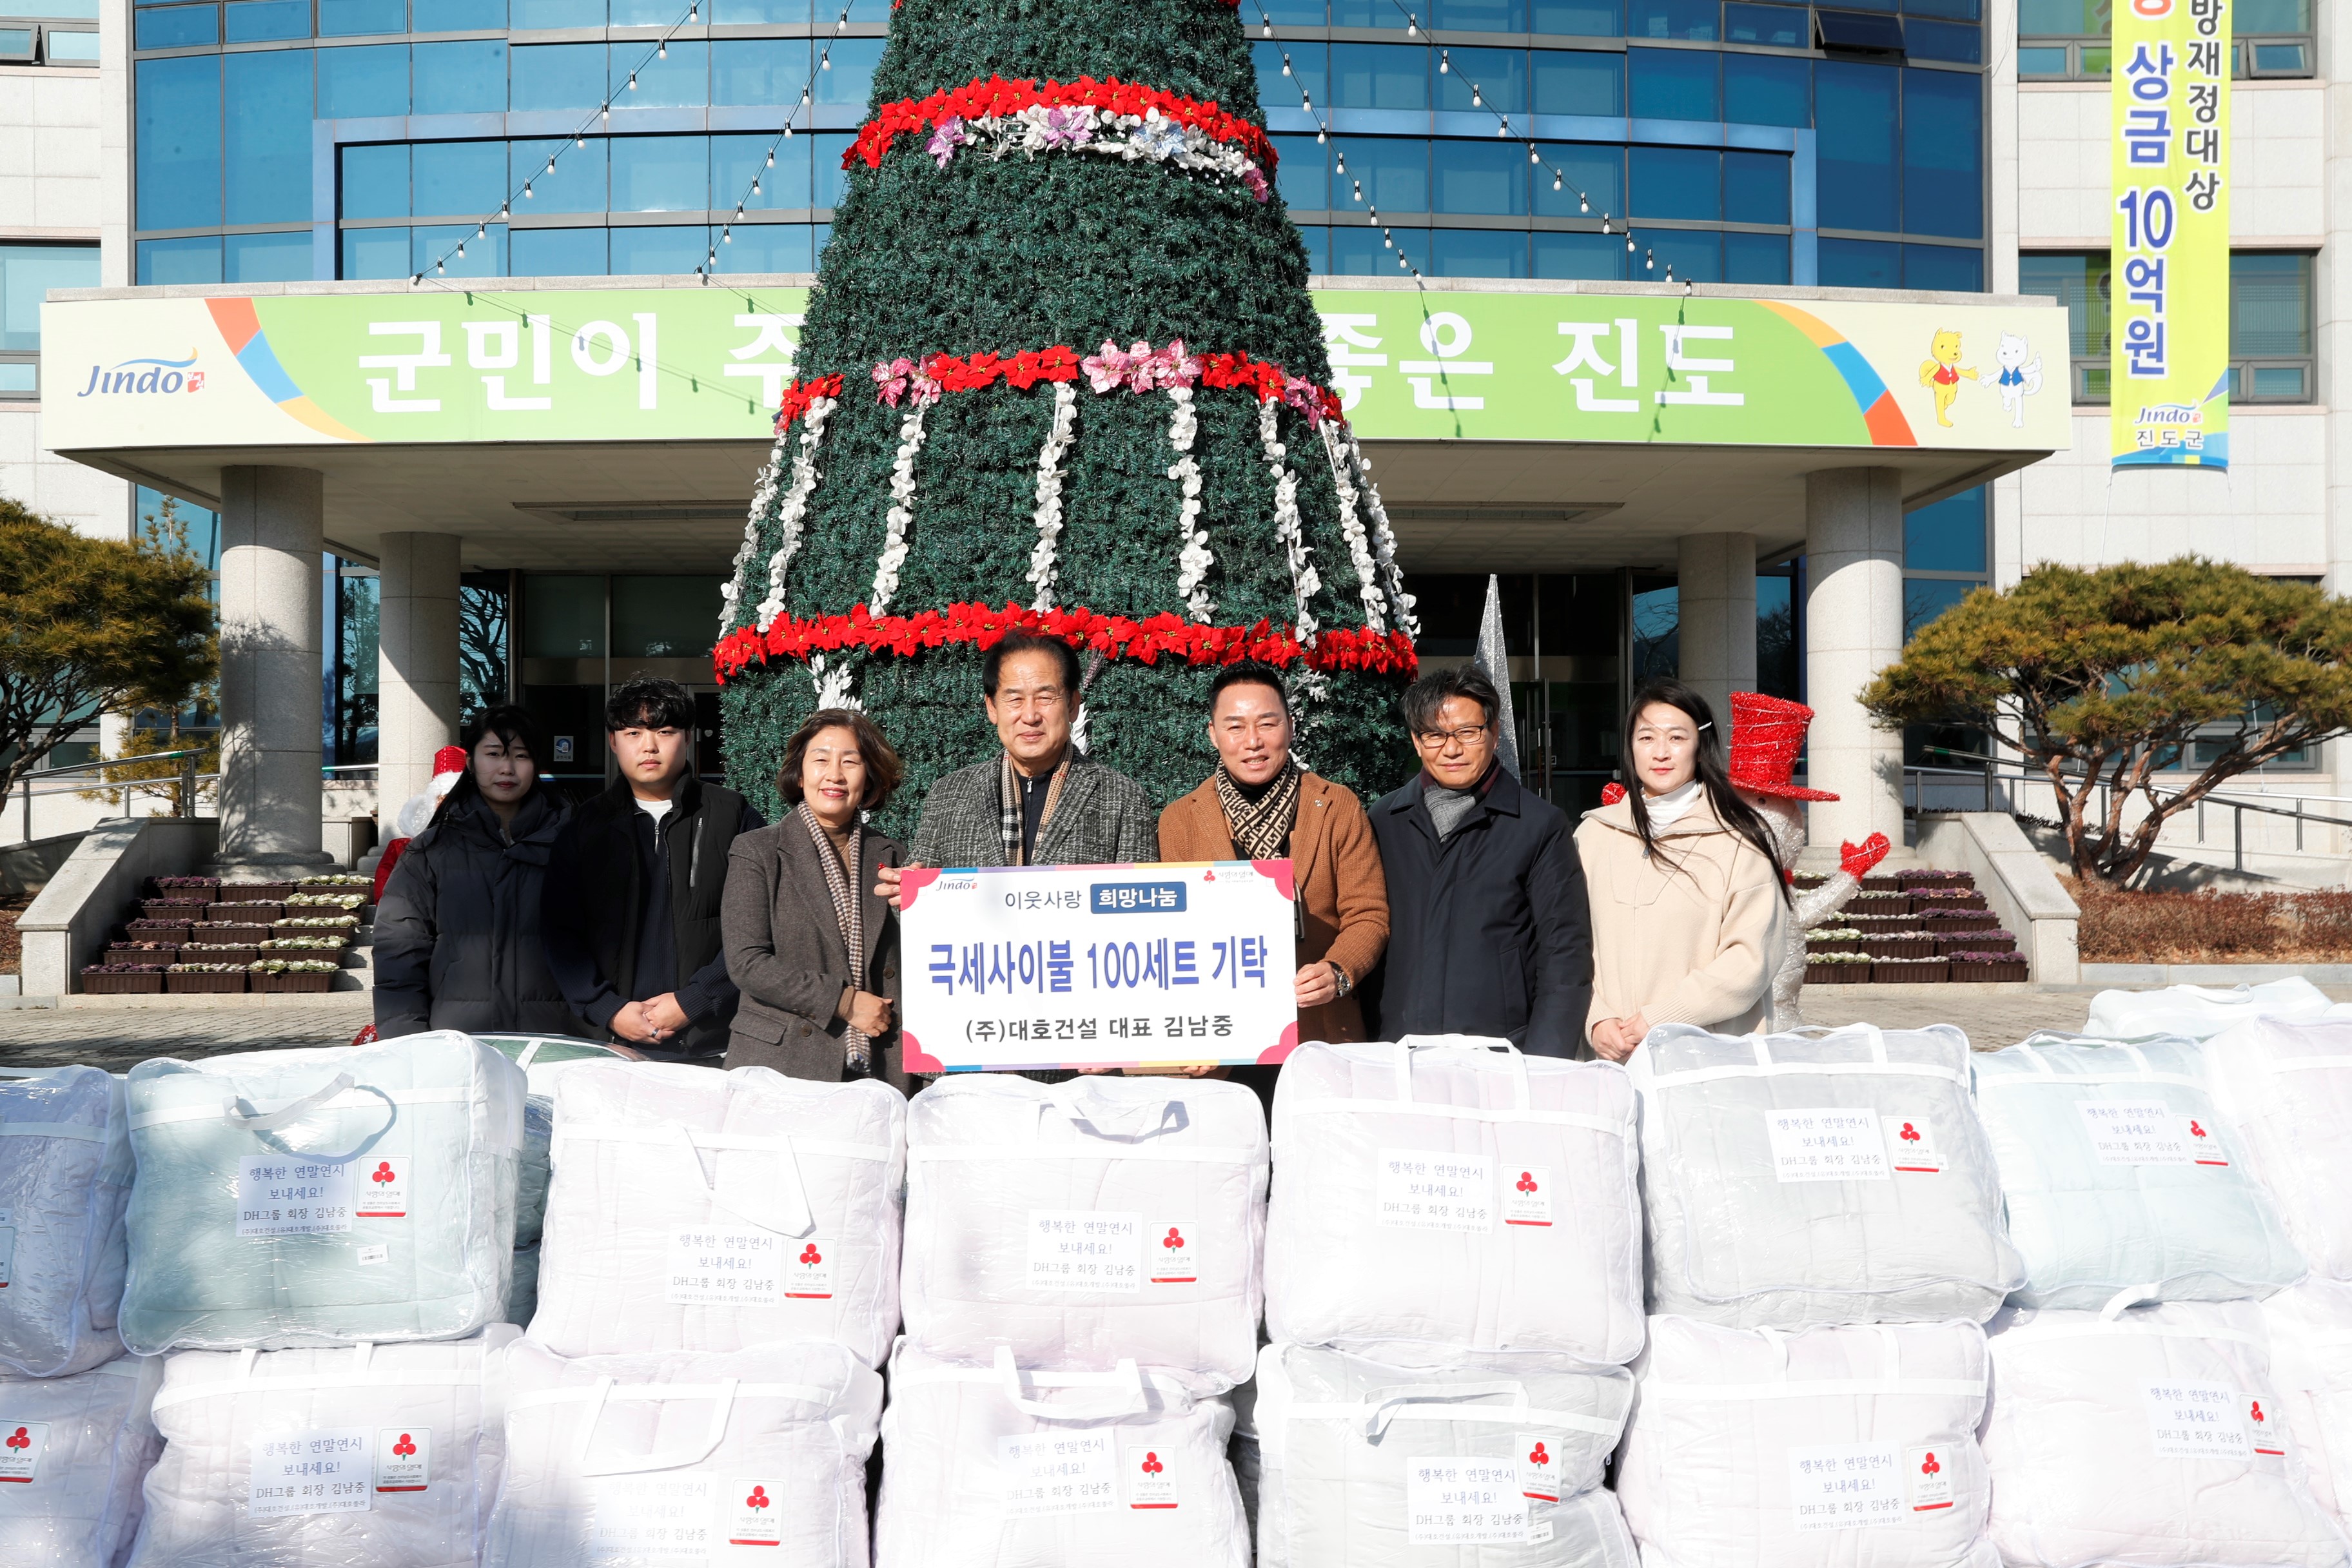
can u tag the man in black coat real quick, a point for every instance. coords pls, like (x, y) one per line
(631, 916)
(1489, 932)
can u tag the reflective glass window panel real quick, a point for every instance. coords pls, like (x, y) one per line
(682, 81)
(532, 13)
(1861, 264)
(179, 125)
(268, 161)
(193, 260)
(1759, 89)
(348, 18)
(266, 257)
(1372, 14)
(1696, 255)
(469, 78)
(562, 617)
(458, 16)
(260, 21)
(2079, 282)
(1393, 171)
(1479, 252)
(663, 617)
(1600, 257)
(651, 250)
(1950, 10)
(1924, 599)
(736, 159)
(758, 70)
(1943, 160)
(1948, 535)
(27, 272)
(1474, 15)
(375, 253)
(1775, 27)
(557, 252)
(2270, 305)
(2253, 16)
(828, 179)
(1756, 187)
(1316, 238)
(1755, 258)
(1673, 84)
(767, 248)
(2041, 62)
(575, 186)
(1579, 18)
(2271, 60)
(165, 28)
(17, 45)
(1500, 77)
(1854, 110)
(1381, 76)
(1485, 177)
(363, 83)
(1952, 268)
(2038, 18)
(1692, 21)
(1296, 12)
(2288, 383)
(64, 10)
(556, 76)
(1944, 41)
(375, 181)
(849, 82)
(484, 258)
(661, 173)
(1678, 182)
(458, 179)
(1573, 81)
(1307, 62)
(1303, 173)
(1595, 172)
(758, 13)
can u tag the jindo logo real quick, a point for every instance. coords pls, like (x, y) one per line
(161, 376)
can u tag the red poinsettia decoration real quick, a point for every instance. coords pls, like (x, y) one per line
(995, 97)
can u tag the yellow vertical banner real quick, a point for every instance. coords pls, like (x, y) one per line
(2169, 275)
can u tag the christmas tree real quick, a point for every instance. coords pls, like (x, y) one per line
(1061, 370)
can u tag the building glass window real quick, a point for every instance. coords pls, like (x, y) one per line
(354, 18)
(1678, 182)
(1673, 84)
(267, 100)
(1568, 81)
(266, 257)
(263, 21)
(171, 27)
(1943, 154)
(456, 179)
(178, 122)
(27, 272)
(2068, 40)
(2272, 310)
(558, 252)
(456, 16)
(1501, 75)
(1947, 552)
(363, 83)
(1855, 110)
(468, 77)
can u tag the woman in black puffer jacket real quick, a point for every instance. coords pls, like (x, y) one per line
(456, 935)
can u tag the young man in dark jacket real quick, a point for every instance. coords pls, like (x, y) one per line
(631, 917)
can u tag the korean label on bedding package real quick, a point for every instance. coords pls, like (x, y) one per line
(753, 1517)
(1170, 1257)
(1929, 1477)
(1847, 1486)
(710, 1266)
(1058, 1472)
(648, 1519)
(1417, 1190)
(2197, 1421)
(1911, 1143)
(1526, 1196)
(20, 1453)
(1833, 1143)
(1150, 1477)
(403, 1458)
(2135, 1132)
(1463, 1502)
(285, 1194)
(330, 1471)
(1085, 1250)
(1539, 1466)
(383, 1188)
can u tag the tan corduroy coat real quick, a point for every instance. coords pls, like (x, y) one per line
(1342, 893)
(1690, 935)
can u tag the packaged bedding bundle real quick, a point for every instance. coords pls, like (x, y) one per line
(1854, 1445)
(75, 1448)
(322, 1197)
(1084, 1224)
(2201, 1012)
(993, 1466)
(1449, 1192)
(693, 1210)
(2285, 1090)
(1477, 1459)
(362, 1456)
(2126, 1436)
(2118, 1172)
(2309, 1328)
(530, 1208)
(546, 1058)
(65, 1179)
(1820, 1176)
(645, 1461)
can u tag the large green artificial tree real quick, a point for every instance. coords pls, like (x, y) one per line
(1061, 369)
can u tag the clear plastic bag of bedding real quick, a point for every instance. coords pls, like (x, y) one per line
(73, 1450)
(65, 1181)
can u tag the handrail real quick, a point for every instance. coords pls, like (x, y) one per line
(186, 779)
(117, 761)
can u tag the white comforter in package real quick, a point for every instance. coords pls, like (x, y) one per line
(2126, 1437)
(322, 1197)
(1855, 1445)
(1083, 1223)
(693, 1210)
(364, 1456)
(991, 1466)
(2309, 1327)
(65, 1178)
(2201, 1012)
(1472, 1460)
(72, 1450)
(2285, 1090)
(1448, 1191)
(1821, 1176)
(2118, 1172)
(651, 1461)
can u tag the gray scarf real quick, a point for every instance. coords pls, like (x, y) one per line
(849, 913)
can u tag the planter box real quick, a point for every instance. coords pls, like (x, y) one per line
(255, 892)
(245, 913)
(172, 909)
(121, 984)
(1943, 920)
(1841, 944)
(1927, 899)
(239, 932)
(1899, 947)
(208, 954)
(2011, 969)
(1913, 972)
(1875, 903)
(1917, 881)
(1883, 882)
(285, 983)
(206, 985)
(180, 887)
(126, 953)
(1837, 974)
(287, 928)
(173, 931)
(1976, 942)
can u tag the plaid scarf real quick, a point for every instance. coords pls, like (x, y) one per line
(842, 882)
(1261, 827)
(1008, 822)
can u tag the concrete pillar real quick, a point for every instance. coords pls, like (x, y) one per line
(1854, 629)
(270, 537)
(416, 662)
(1715, 600)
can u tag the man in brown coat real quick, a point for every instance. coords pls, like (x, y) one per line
(1260, 804)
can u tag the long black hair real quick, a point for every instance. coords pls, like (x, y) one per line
(1713, 775)
(510, 724)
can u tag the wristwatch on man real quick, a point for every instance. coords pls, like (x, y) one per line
(1341, 976)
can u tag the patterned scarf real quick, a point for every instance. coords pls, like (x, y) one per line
(1261, 827)
(849, 910)
(1008, 821)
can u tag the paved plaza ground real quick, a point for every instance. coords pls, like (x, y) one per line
(116, 1036)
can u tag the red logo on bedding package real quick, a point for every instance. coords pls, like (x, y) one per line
(2268, 1438)
(382, 1189)
(1150, 1484)
(1538, 1467)
(1527, 1196)
(20, 1459)
(1170, 1260)
(808, 1273)
(754, 1520)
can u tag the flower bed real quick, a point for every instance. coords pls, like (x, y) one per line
(1915, 881)
(141, 951)
(240, 933)
(204, 979)
(173, 932)
(1901, 945)
(338, 881)
(244, 913)
(219, 952)
(1942, 921)
(327, 942)
(1926, 898)
(314, 925)
(1878, 903)
(1832, 939)
(1883, 882)
(255, 892)
(280, 975)
(1988, 966)
(1909, 971)
(122, 979)
(2212, 928)
(1950, 942)
(1837, 968)
(172, 909)
(323, 903)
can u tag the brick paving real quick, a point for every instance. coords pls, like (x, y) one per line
(117, 1037)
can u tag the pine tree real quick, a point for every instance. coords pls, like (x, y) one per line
(1047, 200)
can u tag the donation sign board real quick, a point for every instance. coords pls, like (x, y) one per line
(1056, 966)
(2168, 288)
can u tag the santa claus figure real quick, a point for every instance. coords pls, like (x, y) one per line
(416, 813)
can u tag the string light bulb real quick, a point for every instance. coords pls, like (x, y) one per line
(662, 49)
(1445, 61)
(632, 81)
(772, 154)
(1411, 26)
(461, 248)
(1476, 101)
(1533, 156)
(824, 61)
(1285, 65)
(526, 191)
(1319, 135)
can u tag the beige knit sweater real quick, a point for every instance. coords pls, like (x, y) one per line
(1690, 935)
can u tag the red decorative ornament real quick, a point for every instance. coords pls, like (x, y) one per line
(801, 393)
(996, 97)
(1114, 636)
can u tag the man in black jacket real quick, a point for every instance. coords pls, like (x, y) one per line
(631, 913)
(1489, 932)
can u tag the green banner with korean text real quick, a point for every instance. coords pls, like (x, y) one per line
(2170, 266)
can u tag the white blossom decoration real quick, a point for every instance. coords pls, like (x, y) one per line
(902, 505)
(1049, 493)
(792, 514)
(1193, 560)
(1287, 526)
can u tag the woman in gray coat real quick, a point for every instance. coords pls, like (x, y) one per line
(813, 951)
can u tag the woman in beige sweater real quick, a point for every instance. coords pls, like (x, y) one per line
(1689, 911)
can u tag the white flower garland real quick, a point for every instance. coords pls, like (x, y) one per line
(1194, 560)
(1286, 525)
(902, 507)
(833, 685)
(792, 515)
(772, 474)
(1049, 492)
(1079, 127)
(1368, 586)
(1384, 547)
